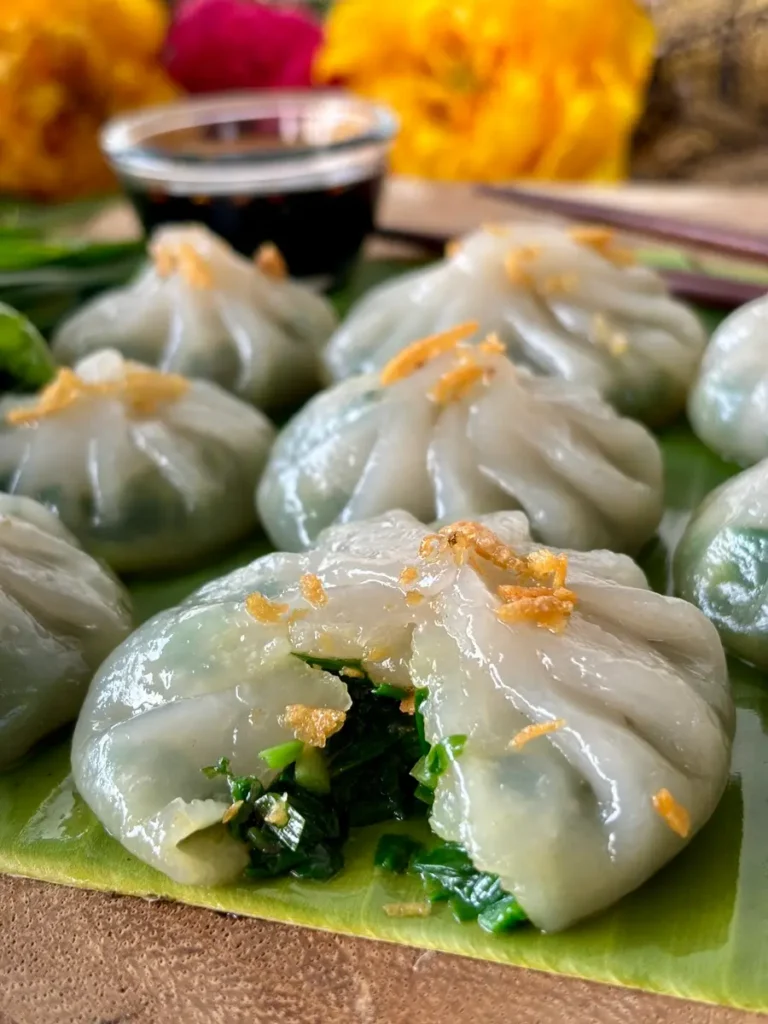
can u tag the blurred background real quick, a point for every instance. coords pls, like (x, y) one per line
(595, 92)
(485, 90)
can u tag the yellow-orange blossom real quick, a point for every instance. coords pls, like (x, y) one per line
(65, 67)
(494, 89)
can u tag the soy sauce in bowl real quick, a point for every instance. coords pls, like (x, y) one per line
(302, 170)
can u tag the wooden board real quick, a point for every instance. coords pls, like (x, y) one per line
(70, 957)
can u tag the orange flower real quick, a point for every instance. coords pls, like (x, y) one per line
(66, 66)
(495, 89)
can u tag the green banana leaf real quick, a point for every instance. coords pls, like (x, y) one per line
(698, 929)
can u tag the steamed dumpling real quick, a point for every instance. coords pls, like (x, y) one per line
(627, 691)
(147, 469)
(565, 303)
(61, 614)
(721, 564)
(208, 679)
(451, 430)
(728, 407)
(202, 310)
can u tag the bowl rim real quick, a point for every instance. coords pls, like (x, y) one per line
(126, 138)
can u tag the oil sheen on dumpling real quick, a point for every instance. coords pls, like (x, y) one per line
(565, 303)
(450, 430)
(721, 564)
(61, 614)
(147, 469)
(728, 406)
(202, 310)
(207, 679)
(633, 686)
(626, 692)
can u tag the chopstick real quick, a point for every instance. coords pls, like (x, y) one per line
(720, 292)
(743, 244)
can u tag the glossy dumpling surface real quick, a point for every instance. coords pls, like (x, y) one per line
(634, 684)
(206, 680)
(61, 613)
(461, 434)
(721, 564)
(635, 689)
(567, 304)
(728, 407)
(147, 469)
(201, 310)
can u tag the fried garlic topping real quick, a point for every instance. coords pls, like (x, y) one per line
(313, 726)
(548, 607)
(492, 345)
(419, 353)
(422, 909)
(312, 590)
(533, 731)
(263, 610)
(181, 258)
(540, 596)
(351, 672)
(673, 813)
(278, 814)
(409, 575)
(408, 704)
(270, 261)
(457, 381)
(141, 389)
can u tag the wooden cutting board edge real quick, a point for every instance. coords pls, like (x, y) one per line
(76, 957)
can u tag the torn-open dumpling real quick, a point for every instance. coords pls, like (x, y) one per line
(721, 564)
(566, 303)
(61, 614)
(202, 310)
(728, 407)
(584, 722)
(147, 469)
(450, 430)
(219, 677)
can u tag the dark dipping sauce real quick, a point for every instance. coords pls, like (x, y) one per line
(300, 170)
(318, 232)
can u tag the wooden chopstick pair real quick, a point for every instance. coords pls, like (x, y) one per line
(722, 292)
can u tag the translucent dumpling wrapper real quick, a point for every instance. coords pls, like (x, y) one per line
(450, 430)
(201, 310)
(147, 469)
(721, 563)
(568, 304)
(728, 406)
(597, 715)
(61, 614)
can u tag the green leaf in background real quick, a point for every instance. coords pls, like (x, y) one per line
(698, 929)
(46, 268)
(26, 363)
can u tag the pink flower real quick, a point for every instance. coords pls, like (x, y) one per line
(214, 45)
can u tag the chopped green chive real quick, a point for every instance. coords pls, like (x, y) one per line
(502, 916)
(279, 757)
(431, 766)
(396, 692)
(311, 770)
(393, 852)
